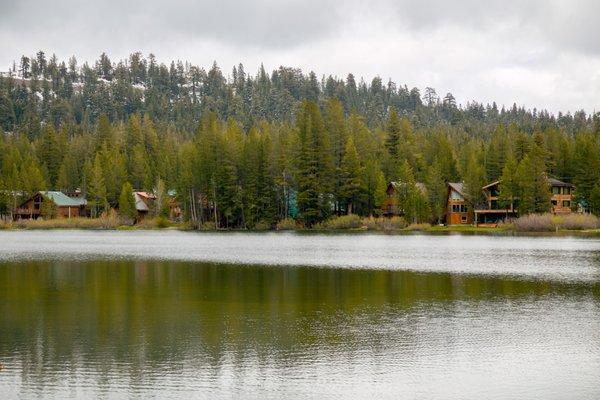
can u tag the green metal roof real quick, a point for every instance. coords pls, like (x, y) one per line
(62, 200)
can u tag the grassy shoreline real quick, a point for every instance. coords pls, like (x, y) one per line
(155, 224)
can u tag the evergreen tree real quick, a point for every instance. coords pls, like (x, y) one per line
(351, 186)
(437, 192)
(474, 178)
(314, 166)
(127, 202)
(509, 184)
(50, 154)
(594, 204)
(97, 188)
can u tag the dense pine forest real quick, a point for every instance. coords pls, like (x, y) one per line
(241, 150)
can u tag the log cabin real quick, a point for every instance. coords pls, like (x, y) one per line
(67, 207)
(459, 209)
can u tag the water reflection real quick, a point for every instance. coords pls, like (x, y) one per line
(133, 328)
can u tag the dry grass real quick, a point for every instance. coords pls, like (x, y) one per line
(550, 222)
(60, 223)
(351, 221)
(384, 224)
(419, 227)
(287, 224)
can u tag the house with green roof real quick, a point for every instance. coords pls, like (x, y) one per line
(53, 204)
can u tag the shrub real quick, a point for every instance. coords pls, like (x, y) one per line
(59, 223)
(154, 223)
(384, 224)
(419, 227)
(549, 222)
(109, 219)
(578, 221)
(287, 224)
(351, 221)
(162, 222)
(534, 223)
(207, 226)
(262, 226)
(5, 224)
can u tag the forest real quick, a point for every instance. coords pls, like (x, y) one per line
(240, 150)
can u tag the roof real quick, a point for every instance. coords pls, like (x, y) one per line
(62, 200)
(141, 200)
(556, 182)
(458, 187)
(489, 185)
(420, 185)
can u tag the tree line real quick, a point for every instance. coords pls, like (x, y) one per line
(243, 151)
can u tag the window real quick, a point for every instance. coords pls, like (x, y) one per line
(554, 202)
(463, 219)
(459, 208)
(566, 203)
(555, 190)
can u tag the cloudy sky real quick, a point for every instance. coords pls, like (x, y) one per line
(543, 54)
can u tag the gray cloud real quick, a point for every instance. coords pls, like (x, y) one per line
(542, 54)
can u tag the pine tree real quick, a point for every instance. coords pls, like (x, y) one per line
(314, 166)
(97, 188)
(161, 204)
(351, 186)
(393, 131)
(127, 202)
(586, 166)
(509, 184)
(31, 179)
(534, 190)
(474, 179)
(50, 154)
(437, 192)
(103, 132)
(335, 125)
(375, 186)
(594, 204)
(406, 192)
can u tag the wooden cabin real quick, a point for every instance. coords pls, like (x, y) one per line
(562, 196)
(66, 207)
(459, 210)
(144, 202)
(389, 207)
(494, 212)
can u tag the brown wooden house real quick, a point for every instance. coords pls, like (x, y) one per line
(67, 207)
(144, 202)
(562, 196)
(459, 209)
(494, 211)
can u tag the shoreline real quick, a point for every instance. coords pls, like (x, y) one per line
(432, 230)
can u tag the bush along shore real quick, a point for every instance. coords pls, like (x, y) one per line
(533, 223)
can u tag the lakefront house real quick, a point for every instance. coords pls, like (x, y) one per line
(461, 211)
(66, 206)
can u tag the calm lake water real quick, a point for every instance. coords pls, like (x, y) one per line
(196, 315)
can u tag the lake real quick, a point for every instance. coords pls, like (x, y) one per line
(167, 314)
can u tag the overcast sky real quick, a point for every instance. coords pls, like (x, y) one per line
(543, 54)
